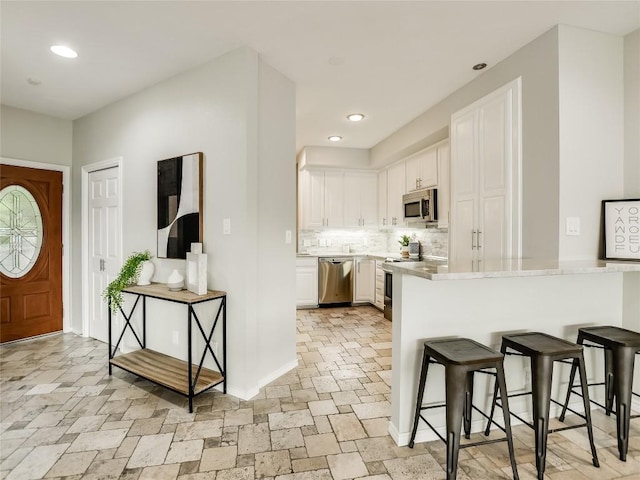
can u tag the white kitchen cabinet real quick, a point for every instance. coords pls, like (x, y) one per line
(365, 280)
(360, 199)
(443, 185)
(306, 282)
(422, 169)
(379, 300)
(485, 178)
(322, 198)
(382, 199)
(396, 182)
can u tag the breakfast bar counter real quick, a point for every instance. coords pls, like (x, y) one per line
(483, 301)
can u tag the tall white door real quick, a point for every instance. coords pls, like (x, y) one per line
(105, 256)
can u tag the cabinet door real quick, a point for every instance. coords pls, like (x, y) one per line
(365, 280)
(307, 282)
(369, 200)
(312, 191)
(352, 203)
(395, 190)
(443, 186)
(412, 173)
(333, 199)
(462, 239)
(382, 199)
(428, 169)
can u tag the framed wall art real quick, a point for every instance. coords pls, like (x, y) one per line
(621, 229)
(179, 205)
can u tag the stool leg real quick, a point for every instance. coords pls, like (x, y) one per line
(468, 402)
(541, 375)
(572, 378)
(587, 409)
(609, 378)
(623, 359)
(423, 379)
(455, 385)
(495, 399)
(506, 415)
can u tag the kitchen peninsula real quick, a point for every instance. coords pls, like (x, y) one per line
(483, 301)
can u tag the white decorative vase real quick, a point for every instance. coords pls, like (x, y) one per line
(146, 272)
(175, 282)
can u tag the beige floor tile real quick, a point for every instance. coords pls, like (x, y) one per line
(347, 427)
(292, 419)
(187, 451)
(286, 439)
(271, 464)
(243, 473)
(38, 462)
(151, 450)
(322, 444)
(163, 472)
(322, 407)
(72, 464)
(101, 440)
(221, 458)
(346, 465)
(254, 438)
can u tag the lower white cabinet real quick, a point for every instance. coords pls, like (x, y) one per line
(365, 280)
(379, 299)
(307, 282)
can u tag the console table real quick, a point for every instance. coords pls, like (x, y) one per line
(185, 378)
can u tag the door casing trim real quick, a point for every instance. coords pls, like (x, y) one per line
(67, 324)
(86, 170)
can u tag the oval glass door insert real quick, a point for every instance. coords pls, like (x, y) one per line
(20, 231)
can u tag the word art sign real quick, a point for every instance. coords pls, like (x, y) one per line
(622, 229)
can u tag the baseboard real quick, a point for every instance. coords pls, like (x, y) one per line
(267, 379)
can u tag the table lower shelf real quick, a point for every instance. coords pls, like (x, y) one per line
(166, 371)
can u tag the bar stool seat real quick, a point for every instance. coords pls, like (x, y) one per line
(461, 358)
(543, 350)
(620, 348)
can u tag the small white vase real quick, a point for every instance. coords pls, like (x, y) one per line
(146, 272)
(175, 282)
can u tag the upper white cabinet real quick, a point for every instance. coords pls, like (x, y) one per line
(382, 199)
(443, 185)
(360, 199)
(365, 280)
(485, 178)
(395, 191)
(422, 169)
(321, 198)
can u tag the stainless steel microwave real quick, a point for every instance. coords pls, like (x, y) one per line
(421, 206)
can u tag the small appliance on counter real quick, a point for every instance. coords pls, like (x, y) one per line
(414, 250)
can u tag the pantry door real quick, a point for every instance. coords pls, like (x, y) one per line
(30, 252)
(104, 241)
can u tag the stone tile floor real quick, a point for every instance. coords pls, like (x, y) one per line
(63, 417)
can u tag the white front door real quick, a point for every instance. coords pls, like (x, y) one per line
(105, 256)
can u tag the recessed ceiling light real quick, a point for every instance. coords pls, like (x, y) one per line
(355, 117)
(479, 66)
(63, 51)
(335, 138)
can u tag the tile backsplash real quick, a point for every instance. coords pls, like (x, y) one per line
(433, 241)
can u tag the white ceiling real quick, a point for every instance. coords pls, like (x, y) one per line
(389, 60)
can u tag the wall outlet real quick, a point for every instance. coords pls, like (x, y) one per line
(226, 226)
(175, 337)
(573, 226)
(287, 236)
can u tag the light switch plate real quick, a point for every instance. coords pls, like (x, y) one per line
(287, 236)
(226, 226)
(573, 226)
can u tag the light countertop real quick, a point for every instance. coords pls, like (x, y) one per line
(509, 268)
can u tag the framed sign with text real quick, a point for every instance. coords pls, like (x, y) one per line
(621, 229)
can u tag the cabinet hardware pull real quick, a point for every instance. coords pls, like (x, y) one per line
(473, 239)
(479, 233)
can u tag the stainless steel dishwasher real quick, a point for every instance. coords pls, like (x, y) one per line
(335, 284)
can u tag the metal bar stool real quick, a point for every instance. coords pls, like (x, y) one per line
(543, 350)
(620, 348)
(461, 358)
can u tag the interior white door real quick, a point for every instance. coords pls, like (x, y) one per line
(105, 256)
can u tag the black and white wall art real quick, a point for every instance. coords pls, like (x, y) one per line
(179, 205)
(622, 229)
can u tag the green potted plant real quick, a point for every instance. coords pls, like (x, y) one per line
(128, 274)
(404, 245)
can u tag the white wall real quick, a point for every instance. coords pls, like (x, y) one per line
(334, 157)
(591, 133)
(631, 318)
(26, 135)
(215, 109)
(537, 63)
